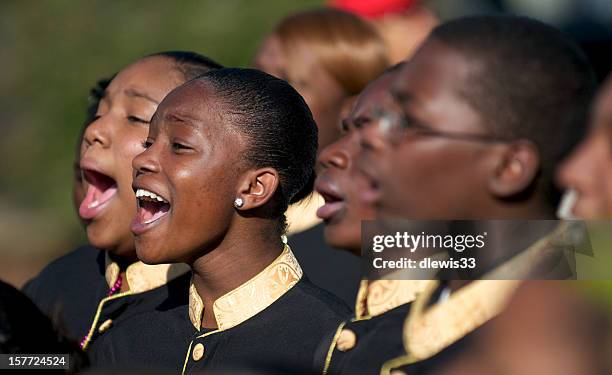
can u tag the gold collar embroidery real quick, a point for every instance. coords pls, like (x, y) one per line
(428, 330)
(376, 297)
(142, 277)
(251, 297)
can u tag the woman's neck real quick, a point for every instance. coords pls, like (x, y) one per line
(238, 258)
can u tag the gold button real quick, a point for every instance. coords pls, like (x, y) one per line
(198, 352)
(346, 340)
(105, 326)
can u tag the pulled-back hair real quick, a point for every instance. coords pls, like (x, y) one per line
(279, 126)
(529, 81)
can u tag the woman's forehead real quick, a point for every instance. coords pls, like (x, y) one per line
(153, 76)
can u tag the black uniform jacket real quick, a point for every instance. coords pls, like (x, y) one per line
(277, 318)
(362, 345)
(73, 290)
(442, 326)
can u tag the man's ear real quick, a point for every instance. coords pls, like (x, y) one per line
(516, 168)
(256, 188)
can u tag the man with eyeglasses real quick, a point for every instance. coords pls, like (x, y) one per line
(478, 120)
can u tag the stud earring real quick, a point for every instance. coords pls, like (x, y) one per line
(238, 202)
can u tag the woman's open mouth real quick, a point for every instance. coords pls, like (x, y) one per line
(100, 190)
(151, 208)
(334, 203)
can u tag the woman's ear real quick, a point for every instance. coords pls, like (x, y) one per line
(256, 188)
(516, 169)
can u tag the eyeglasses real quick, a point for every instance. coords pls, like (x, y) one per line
(393, 125)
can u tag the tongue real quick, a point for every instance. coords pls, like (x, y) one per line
(94, 198)
(148, 211)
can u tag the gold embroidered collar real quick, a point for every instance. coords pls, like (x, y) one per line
(376, 297)
(430, 329)
(142, 277)
(253, 296)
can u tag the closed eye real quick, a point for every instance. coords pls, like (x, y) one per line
(180, 147)
(137, 120)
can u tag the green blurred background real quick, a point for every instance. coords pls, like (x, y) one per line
(51, 53)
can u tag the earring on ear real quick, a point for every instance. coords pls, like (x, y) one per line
(238, 202)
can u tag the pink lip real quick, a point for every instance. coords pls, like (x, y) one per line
(138, 228)
(101, 189)
(329, 210)
(90, 209)
(332, 195)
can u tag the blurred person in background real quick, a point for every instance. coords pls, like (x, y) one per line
(465, 107)
(588, 170)
(403, 24)
(373, 334)
(328, 56)
(96, 288)
(78, 190)
(548, 328)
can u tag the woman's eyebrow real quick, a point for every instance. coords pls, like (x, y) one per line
(181, 118)
(137, 94)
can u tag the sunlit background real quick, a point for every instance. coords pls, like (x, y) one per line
(52, 52)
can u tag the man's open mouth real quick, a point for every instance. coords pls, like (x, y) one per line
(151, 208)
(100, 190)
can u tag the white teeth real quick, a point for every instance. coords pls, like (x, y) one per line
(146, 193)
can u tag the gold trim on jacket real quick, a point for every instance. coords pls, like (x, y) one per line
(379, 296)
(251, 297)
(142, 277)
(375, 298)
(429, 329)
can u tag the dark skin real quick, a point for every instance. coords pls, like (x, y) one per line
(589, 169)
(421, 176)
(472, 179)
(194, 161)
(338, 181)
(110, 143)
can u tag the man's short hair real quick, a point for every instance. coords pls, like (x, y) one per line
(529, 81)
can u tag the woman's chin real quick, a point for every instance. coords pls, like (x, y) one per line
(148, 255)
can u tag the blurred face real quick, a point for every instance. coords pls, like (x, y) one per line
(589, 169)
(324, 96)
(109, 145)
(186, 180)
(339, 183)
(417, 171)
(547, 329)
